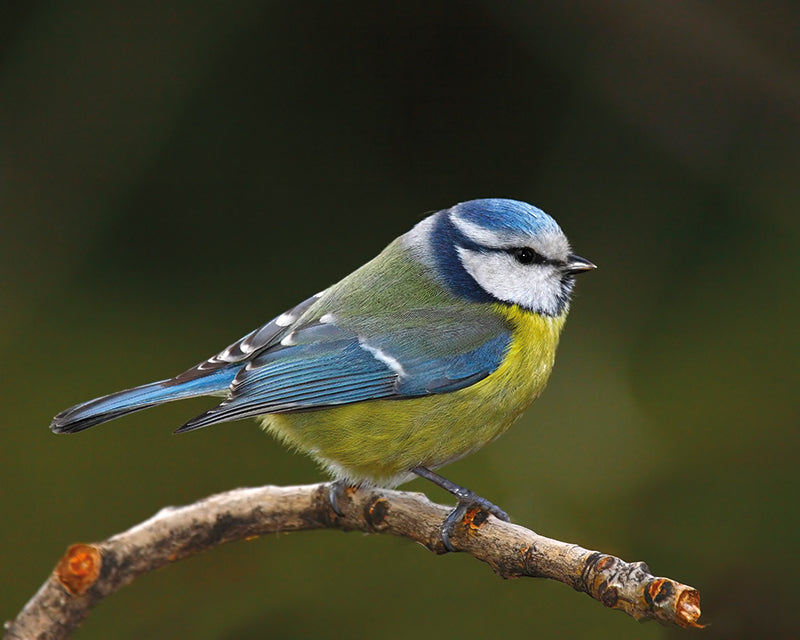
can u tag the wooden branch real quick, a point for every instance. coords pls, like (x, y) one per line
(89, 572)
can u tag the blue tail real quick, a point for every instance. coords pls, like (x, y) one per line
(88, 414)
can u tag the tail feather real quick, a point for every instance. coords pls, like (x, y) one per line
(94, 412)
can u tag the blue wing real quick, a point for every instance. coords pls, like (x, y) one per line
(321, 364)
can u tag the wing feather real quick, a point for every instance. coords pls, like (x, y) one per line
(250, 345)
(338, 362)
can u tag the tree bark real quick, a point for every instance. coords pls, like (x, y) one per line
(90, 572)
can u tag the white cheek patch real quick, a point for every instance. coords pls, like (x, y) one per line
(536, 287)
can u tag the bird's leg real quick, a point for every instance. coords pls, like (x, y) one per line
(466, 500)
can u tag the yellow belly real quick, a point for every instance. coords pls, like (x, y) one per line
(379, 441)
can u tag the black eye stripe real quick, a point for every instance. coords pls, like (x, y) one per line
(523, 255)
(526, 255)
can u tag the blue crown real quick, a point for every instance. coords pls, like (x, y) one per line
(501, 214)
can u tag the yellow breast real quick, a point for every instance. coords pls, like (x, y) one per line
(378, 441)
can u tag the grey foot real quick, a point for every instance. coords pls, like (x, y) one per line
(466, 502)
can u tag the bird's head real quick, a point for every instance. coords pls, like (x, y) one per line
(501, 250)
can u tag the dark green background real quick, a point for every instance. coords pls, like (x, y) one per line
(173, 174)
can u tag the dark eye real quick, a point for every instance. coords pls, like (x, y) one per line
(525, 255)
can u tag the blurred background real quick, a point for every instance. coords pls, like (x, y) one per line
(173, 174)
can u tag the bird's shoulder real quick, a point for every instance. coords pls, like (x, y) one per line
(400, 299)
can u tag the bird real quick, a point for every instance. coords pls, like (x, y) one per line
(421, 356)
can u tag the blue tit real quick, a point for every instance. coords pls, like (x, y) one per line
(421, 356)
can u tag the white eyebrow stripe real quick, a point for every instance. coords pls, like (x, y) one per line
(488, 238)
(385, 358)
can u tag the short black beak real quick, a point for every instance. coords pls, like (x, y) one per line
(576, 264)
